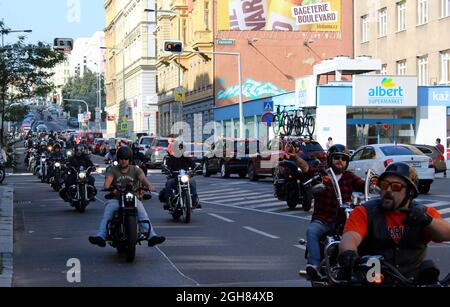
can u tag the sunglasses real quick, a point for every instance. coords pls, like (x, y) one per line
(342, 158)
(395, 186)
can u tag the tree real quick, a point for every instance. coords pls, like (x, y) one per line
(84, 88)
(25, 71)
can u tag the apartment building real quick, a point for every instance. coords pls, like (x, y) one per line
(191, 22)
(131, 67)
(410, 36)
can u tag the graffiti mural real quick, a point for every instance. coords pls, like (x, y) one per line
(251, 90)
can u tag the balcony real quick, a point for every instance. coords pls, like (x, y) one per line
(203, 39)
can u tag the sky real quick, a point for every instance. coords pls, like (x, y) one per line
(50, 19)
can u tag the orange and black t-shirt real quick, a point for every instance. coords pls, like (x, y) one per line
(358, 222)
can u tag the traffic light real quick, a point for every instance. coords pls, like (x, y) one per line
(173, 46)
(63, 44)
(55, 99)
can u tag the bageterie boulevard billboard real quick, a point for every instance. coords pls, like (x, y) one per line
(384, 91)
(280, 15)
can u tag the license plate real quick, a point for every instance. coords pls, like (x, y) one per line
(416, 164)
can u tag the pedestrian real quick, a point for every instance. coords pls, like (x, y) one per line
(330, 143)
(441, 149)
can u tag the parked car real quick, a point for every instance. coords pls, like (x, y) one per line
(157, 152)
(88, 138)
(73, 122)
(229, 156)
(96, 146)
(378, 157)
(41, 128)
(439, 162)
(264, 163)
(144, 143)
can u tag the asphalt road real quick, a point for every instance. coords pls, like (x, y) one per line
(242, 237)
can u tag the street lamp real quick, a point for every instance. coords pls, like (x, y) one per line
(81, 101)
(99, 97)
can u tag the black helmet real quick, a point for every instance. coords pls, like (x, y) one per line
(57, 146)
(404, 171)
(337, 149)
(124, 153)
(78, 149)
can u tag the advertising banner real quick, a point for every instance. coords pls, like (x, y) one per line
(280, 15)
(384, 91)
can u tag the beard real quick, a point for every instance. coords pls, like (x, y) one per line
(388, 202)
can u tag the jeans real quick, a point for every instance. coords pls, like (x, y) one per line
(112, 206)
(316, 231)
(171, 183)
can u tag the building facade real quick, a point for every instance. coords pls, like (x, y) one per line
(192, 23)
(410, 36)
(132, 108)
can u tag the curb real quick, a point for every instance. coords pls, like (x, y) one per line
(6, 236)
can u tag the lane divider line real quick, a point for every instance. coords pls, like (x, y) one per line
(221, 218)
(268, 235)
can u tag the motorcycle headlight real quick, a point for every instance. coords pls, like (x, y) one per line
(69, 153)
(43, 159)
(185, 179)
(82, 175)
(57, 164)
(129, 197)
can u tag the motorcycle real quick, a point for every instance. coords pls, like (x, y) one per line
(2, 170)
(123, 230)
(81, 193)
(42, 167)
(292, 186)
(329, 245)
(110, 164)
(58, 175)
(181, 202)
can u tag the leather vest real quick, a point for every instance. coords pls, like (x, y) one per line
(406, 256)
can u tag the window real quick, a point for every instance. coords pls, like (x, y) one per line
(445, 8)
(384, 69)
(401, 16)
(422, 12)
(445, 67)
(206, 16)
(365, 28)
(382, 22)
(422, 70)
(401, 67)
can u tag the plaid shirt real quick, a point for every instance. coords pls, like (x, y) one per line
(326, 203)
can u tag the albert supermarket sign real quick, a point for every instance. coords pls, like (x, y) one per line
(384, 91)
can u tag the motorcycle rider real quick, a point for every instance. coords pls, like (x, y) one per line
(325, 203)
(56, 155)
(394, 226)
(80, 159)
(175, 162)
(125, 172)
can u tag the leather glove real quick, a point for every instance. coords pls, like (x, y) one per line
(417, 216)
(348, 259)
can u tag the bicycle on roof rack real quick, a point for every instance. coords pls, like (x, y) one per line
(300, 122)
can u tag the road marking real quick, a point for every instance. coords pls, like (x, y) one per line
(175, 267)
(249, 196)
(222, 197)
(444, 211)
(259, 201)
(436, 204)
(208, 192)
(267, 205)
(268, 235)
(259, 211)
(221, 218)
(303, 247)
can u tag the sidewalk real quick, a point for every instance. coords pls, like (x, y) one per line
(6, 236)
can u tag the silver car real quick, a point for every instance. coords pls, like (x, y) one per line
(378, 157)
(157, 152)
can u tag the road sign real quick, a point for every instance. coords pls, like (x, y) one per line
(268, 106)
(180, 94)
(124, 126)
(386, 126)
(80, 118)
(268, 119)
(88, 115)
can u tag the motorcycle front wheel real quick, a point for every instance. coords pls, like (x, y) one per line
(131, 232)
(2, 175)
(187, 208)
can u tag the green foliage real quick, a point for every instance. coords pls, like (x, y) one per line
(84, 88)
(25, 70)
(16, 113)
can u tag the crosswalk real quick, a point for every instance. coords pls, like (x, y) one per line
(261, 198)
